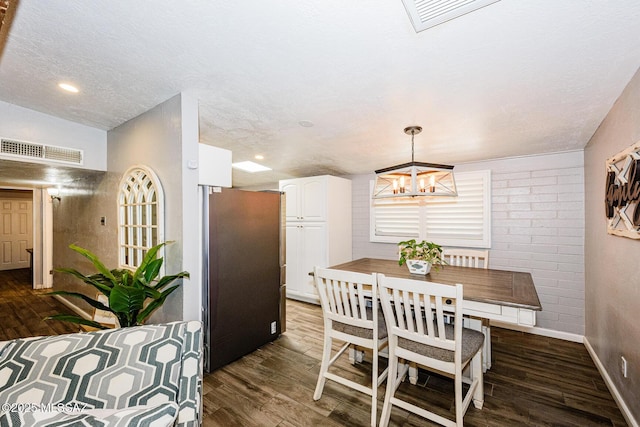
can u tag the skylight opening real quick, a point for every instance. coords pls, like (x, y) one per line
(251, 167)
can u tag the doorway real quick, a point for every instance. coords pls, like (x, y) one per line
(16, 229)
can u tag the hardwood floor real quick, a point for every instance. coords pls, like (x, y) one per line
(534, 381)
(22, 309)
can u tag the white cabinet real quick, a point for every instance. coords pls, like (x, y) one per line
(318, 217)
(306, 248)
(306, 198)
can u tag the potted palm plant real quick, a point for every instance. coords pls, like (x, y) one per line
(132, 295)
(420, 257)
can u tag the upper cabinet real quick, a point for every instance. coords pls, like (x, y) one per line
(306, 198)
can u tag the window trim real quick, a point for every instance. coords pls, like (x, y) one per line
(485, 242)
(139, 174)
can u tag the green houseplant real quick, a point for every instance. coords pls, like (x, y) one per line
(420, 257)
(132, 295)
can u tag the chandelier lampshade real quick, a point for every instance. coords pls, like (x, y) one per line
(414, 179)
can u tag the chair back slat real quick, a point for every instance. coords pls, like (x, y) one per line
(327, 293)
(418, 303)
(439, 317)
(362, 303)
(343, 293)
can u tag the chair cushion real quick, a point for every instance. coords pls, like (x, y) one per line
(471, 343)
(363, 332)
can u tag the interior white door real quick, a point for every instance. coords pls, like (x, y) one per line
(16, 233)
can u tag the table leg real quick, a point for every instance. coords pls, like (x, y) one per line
(486, 350)
(355, 355)
(481, 325)
(413, 373)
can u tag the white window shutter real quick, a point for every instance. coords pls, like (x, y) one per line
(463, 221)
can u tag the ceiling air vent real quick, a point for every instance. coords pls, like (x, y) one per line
(425, 14)
(33, 151)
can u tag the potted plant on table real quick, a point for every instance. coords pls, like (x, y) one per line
(420, 257)
(132, 295)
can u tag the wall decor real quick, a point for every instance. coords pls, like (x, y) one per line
(622, 193)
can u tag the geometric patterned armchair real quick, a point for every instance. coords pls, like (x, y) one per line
(115, 377)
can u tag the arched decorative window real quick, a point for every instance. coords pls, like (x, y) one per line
(140, 215)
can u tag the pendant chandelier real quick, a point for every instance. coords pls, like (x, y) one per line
(415, 178)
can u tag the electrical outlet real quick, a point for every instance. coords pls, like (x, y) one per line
(623, 366)
(273, 327)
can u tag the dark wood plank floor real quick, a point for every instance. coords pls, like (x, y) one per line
(22, 309)
(534, 381)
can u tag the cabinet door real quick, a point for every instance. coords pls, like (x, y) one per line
(314, 199)
(314, 253)
(292, 201)
(306, 248)
(293, 256)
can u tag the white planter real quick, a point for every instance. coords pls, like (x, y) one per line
(417, 266)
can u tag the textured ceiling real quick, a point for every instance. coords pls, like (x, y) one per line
(513, 78)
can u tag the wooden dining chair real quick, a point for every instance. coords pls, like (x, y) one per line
(351, 314)
(466, 257)
(415, 312)
(475, 258)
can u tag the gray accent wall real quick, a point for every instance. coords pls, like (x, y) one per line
(76, 219)
(612, 262)
(161, 139)
(154, 139)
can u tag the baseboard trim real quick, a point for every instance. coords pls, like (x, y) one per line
(626, 412)
(567, 336)
(72, 306)
(303, 297)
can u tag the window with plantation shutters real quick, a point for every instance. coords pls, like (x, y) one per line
(463, 221)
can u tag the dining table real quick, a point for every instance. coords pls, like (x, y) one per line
(505, 296)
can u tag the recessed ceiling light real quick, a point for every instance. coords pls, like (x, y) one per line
(305, 123)
(259, 157)
(68, 87)
(250, 167)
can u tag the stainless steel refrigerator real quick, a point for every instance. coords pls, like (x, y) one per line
(243, 273)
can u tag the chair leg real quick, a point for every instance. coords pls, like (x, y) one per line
(390, 389)
(458, 398)
(374, 386)
(324, 367)
(478, 393)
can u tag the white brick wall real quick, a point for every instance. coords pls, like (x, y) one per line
(537, 226)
